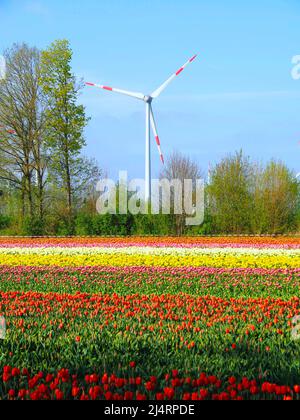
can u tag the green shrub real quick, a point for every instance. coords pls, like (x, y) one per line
(5, 222)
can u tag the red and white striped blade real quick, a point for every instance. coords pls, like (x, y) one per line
(156, 136)
(8, 130)
(135, 95)
(157, 92)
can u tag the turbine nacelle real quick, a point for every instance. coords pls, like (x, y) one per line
(148, 99)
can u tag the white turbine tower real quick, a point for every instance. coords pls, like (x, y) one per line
(150, 121)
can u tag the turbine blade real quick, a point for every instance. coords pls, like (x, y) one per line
(152, 120)
(135, 95)
(8, 130)
(157, 92)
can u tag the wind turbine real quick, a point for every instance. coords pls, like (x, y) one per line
(150, 121)
(7, 130)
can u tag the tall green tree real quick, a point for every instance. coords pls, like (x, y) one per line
(66, 120)
(277, 198)
(231, 192)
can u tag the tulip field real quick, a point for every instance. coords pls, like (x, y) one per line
(150, 318)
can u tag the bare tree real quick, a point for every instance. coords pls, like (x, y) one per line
(180, 167)
(23, 160)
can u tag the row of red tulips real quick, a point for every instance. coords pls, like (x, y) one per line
(64, 385)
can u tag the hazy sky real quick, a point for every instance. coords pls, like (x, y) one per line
(238, 94)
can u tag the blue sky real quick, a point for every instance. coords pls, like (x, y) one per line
(238, 94)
